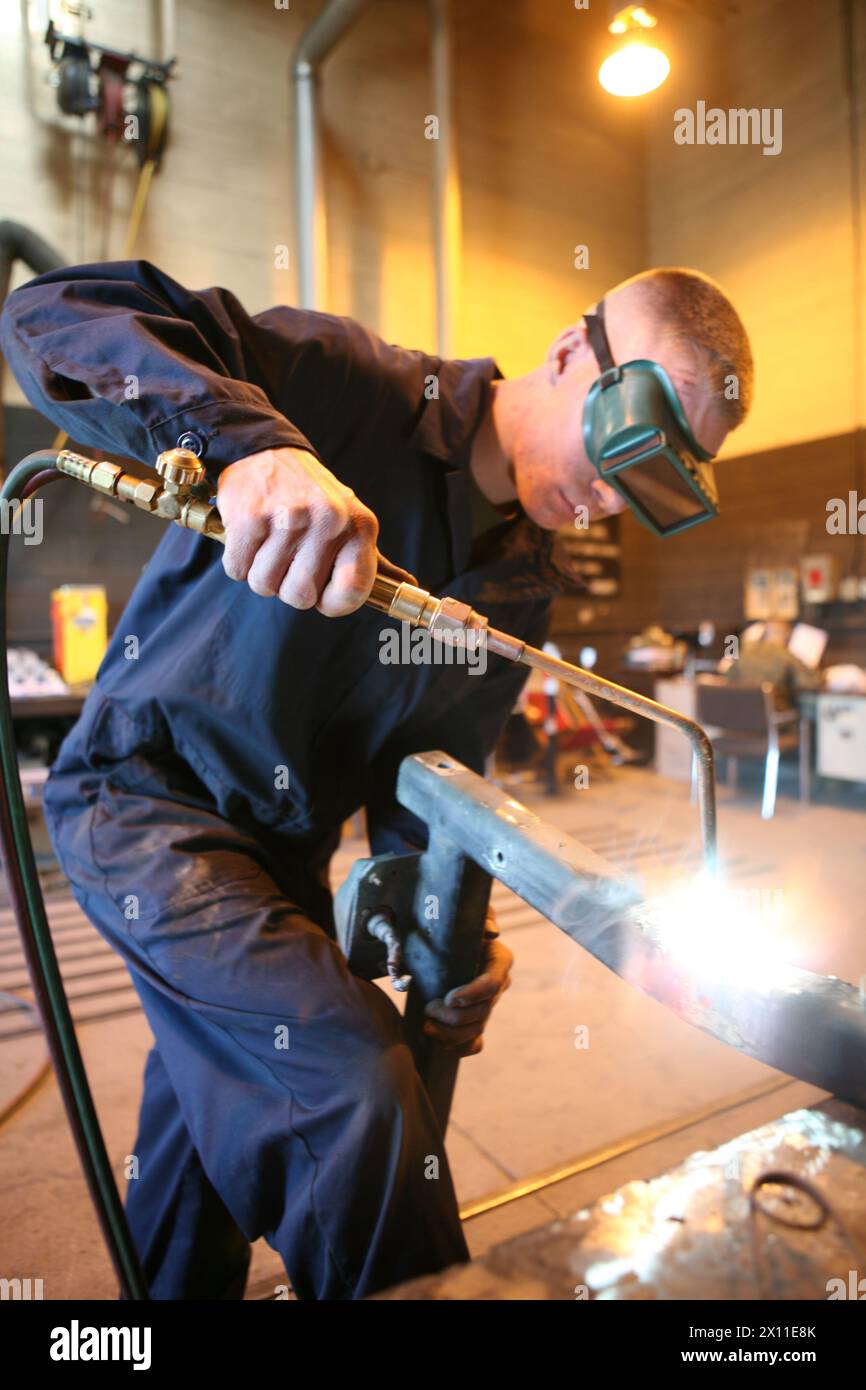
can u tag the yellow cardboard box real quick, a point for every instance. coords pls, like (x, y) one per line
(79, 621)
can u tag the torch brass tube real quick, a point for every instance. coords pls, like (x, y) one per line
(391, 597)
(702, 748)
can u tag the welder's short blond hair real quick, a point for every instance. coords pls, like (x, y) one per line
(702, 318)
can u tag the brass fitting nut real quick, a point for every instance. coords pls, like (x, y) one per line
(452, 615)
(200, 516)
(146, 494)
(104, 477)
(168, 505)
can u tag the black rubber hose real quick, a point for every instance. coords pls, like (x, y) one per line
(20, 243)
(29, 906)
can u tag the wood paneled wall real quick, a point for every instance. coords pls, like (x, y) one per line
(773, 511)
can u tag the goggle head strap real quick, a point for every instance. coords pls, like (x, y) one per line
(597, 334)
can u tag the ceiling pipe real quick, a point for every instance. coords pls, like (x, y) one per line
(165, 15)
(315, 44)
(446, 201)
(310, 216)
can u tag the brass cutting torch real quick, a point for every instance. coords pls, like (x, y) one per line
(183, 496)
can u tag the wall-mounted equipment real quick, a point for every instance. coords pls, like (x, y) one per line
(90, 77)
(128, 94)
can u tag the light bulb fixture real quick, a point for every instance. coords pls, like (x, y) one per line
(632, 17)
(635, 67)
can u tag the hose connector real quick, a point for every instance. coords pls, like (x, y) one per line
(97, 474)
(181, 495)
(416, 606)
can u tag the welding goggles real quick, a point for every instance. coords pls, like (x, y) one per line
(639, 441)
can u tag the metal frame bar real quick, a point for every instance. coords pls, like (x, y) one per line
(809, 1026)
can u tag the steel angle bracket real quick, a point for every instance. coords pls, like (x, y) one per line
(437, 900)
(383, 884)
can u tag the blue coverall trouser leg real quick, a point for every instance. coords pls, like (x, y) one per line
(280, 1099)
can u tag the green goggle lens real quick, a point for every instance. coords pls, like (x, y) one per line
(639, 441)
(659, 489)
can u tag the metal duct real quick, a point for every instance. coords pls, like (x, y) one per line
(310, 215)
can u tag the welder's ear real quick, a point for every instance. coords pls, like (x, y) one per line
(569, 346)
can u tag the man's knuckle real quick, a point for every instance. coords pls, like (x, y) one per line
(334, 520)
(331, 607)
(364, 522)
(339, 602)
(298, 516)
(298, 593)
(236, 564)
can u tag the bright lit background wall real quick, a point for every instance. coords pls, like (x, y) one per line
(548, 162)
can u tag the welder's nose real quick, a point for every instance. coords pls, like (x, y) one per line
(606, 498)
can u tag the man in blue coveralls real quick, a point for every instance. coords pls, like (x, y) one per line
(242, 713)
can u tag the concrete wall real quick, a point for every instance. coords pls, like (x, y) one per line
(548, 161)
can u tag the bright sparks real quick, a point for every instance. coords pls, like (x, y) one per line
(711, 930)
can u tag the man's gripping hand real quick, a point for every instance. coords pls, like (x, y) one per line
(458, 1021)
(296, 531)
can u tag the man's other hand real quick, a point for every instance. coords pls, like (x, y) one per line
(296, 531)
(458, 1021)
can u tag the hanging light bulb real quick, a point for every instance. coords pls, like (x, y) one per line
(635, 67)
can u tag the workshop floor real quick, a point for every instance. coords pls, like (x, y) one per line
(646, 1092)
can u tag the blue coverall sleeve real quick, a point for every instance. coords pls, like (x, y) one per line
(125, 359)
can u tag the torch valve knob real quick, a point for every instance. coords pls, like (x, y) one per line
(181, 467)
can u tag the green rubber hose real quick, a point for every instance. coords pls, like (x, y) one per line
(26, 893)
